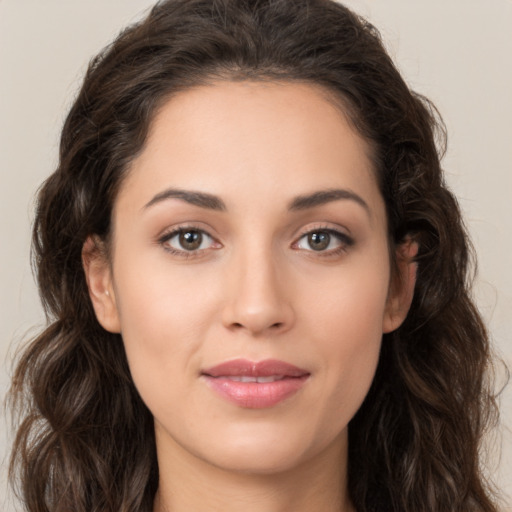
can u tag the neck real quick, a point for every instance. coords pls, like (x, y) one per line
(188, 483)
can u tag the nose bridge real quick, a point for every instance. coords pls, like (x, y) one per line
(257, 300)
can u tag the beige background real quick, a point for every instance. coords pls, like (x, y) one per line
(457, 52)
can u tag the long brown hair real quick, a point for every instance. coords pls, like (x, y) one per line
(85, 440)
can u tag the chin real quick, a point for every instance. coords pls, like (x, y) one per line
(266, 451)
(253, 462)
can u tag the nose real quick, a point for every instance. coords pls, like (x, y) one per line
(257, 295)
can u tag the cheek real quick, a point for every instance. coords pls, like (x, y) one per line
(351, 346)
(347, 306)
(169, 301)
(164, 316)
(346, 324)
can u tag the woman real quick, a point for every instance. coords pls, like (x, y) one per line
(256, 280)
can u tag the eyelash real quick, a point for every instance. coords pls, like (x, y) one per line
(182, 253)
(344, 240)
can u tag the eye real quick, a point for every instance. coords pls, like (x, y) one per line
(324, 240)
(187, 240)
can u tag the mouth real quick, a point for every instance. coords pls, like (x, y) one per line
(247, 378)
(255, 385)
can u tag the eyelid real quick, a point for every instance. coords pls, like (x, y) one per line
(171, 232)
(344, 238)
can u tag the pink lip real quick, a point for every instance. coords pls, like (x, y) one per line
(255, 395)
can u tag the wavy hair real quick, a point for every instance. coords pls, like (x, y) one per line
(85, 440)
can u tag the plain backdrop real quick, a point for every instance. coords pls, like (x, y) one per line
(456, 52)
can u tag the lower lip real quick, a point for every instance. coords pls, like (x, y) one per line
(256, 395)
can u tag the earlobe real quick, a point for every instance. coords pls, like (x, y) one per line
(99, 283)
(402, 286)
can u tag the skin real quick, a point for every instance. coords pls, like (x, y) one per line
(255, 289)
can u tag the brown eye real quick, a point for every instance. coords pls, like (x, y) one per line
(190, 240)
(325, 241)
(319, 240)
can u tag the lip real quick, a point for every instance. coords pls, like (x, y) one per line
(279, 381)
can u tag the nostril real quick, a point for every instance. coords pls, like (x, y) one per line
(275, 326)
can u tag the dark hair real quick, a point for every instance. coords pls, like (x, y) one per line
(85, 442)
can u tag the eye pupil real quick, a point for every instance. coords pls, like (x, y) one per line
(190, 240)
(319, 240)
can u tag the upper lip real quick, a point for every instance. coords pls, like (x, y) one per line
(265, 368)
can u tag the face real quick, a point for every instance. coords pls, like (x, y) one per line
(249, 275)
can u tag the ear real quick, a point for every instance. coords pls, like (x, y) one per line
(402, 285)
(98, 276)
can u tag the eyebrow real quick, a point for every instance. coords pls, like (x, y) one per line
(326, 196)
(303, 202)
(201, 199)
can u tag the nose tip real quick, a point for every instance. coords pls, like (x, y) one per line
(258, 313)
(256, 323)
(258, 302)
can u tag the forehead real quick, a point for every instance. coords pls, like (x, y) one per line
(255, 109)
(266, 138)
